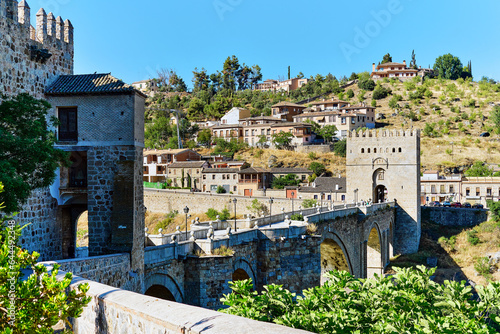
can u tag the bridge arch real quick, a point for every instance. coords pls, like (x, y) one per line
(334, 255)
(374, 260)
(163, 285)
(242, 270)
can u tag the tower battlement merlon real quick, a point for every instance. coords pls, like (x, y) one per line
(383, 133)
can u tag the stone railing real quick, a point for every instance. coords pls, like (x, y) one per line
(113, 310)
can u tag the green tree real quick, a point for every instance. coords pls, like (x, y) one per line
(479, 168)
(158, 133)
(317, 168)
(41, 300)
(220, 190)
(328, 132)
(195, 109)
(205, 137)
(495, 116)
(309, 203)
(230, 71)
(448, 67)
(200, 79)
(282, 140)
(494, 208)
(380, 92)
(285, 181)
(28, 159)
(257, 208)
(350, 93)
(340, 148)
(413, 62)
(367, 84)
(387, 58)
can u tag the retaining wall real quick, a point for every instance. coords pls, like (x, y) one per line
(454, 216)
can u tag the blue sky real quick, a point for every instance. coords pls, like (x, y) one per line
(133, 39)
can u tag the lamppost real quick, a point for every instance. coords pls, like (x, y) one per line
(293, 194)
(321, 198)
(186, 210)
(271, 200)
(234, 201)
(356, 195)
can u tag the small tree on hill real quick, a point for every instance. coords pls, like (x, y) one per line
(285, 181)
(387, 58)
(328, 132)
(317, 168)
(282, 140)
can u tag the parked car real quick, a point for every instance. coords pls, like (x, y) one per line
(446, 204)
(484, 134)
(456, 205)
(434, 203)
(467, 205)
(477, 206)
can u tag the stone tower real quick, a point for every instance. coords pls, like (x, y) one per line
(383, 166)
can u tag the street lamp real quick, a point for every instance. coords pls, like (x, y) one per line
(271, 200)
(186, 210)
(234, 201)
(293, 194)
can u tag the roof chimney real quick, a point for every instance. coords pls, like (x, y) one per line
(373, 67)
(404, 62)
(336, 187)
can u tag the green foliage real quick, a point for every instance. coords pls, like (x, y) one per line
(448, 244)
(257, 207)
(448, 67)
(380, 92)
(309, 203)
(374, 103)
(297, 216)
(317, 168)
(282, 140)
(393, 102)
(483, 267)
(472, 237)
(205, 137)
(223, 251)
(285, 181)
(479, 169)
(328, 132)
(430, 130)
(28, 159)
(387, 58)
(495, 116)
(40, 300)
(494, 209)
(407, 302)
(230, 147)
(350, 93)
(367, 84)
(340, 148)
(220, 190)
(312, 156)
(223, 215)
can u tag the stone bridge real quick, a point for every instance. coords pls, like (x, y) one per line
(296, 254)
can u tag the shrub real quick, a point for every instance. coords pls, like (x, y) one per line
(482, 266)
(223, 251)
(309, 203)
(380, 93)
(339, 148)
(212, 214)
(257, 207)
(297, 216)
(312, 156)
(367, 84)
(317, 168)
(220, 190)
(350, 93)
(311, 229)
(448, 244)
(472, 237)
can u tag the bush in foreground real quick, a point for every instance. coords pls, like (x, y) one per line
(407, 302)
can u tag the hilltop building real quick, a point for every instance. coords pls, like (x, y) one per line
(285, 85)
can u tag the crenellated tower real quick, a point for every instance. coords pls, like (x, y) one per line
(40, 54)
(384, 165)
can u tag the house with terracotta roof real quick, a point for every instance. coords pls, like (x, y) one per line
(234, 115)
(393, 70)
(253, 179)
(328, 105)
(187, 173)
(286, 110)
(156, 162)
(345, 118)
(285, 85)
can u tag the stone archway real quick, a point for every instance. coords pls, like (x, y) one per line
(380, 194)
(333, 256)
(82, 235)
(379, 189)
(159, 291)
(374, 263)
(242, 270)
(163, 285)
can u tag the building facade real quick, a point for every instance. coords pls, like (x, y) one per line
(156, 162)
(187, 174)
(285, 85)
(286, 110)
(393, 71)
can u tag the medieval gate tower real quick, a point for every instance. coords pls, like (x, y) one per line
(384, 165)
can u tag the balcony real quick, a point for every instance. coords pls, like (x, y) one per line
(250, 181)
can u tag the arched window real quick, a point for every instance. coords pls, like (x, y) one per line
(375, 150)
(399, 150)
(362, 150)
(368, 150)
(393, 150)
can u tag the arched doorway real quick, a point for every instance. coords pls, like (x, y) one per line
(333, 258)
(82, 235)
(159, 291)
(380, 194)
(373, 254)
(240, 275)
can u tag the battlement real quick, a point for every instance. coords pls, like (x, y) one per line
(49, 29)
(40, 54)
(383, 133)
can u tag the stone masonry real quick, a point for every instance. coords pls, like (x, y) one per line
(385, 165)
(24, 66)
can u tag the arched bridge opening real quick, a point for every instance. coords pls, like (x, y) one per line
(374, 261)
(159, 291)
(333, 257)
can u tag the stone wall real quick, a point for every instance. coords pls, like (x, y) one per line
(115, 311)
(157, 200)
(43, 232)
(314, 148)
(454, 216)
(21, 67)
